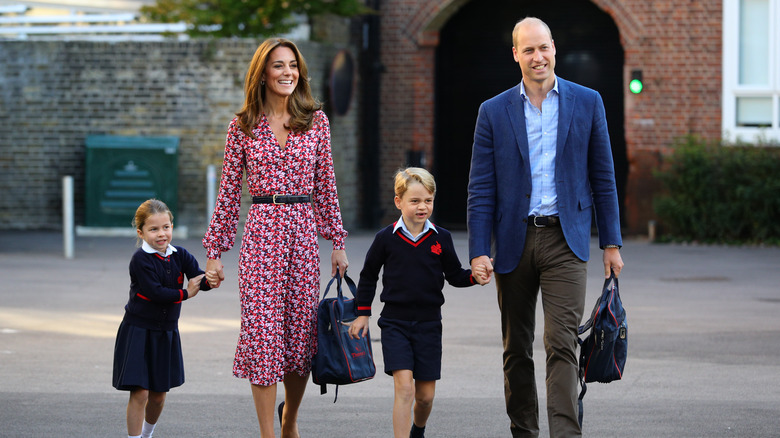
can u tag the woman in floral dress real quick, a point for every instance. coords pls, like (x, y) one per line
(281, 140)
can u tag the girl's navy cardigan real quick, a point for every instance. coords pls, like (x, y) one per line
(157, 288)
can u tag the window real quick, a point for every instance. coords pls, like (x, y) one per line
(751, 85)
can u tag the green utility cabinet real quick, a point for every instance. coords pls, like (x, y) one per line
(123, 171)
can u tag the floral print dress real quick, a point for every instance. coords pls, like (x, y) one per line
(279, 263)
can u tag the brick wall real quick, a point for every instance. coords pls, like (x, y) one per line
(54, 94)
(676, 44)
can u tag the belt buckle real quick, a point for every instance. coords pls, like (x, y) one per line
(273, 198)
(538, 225)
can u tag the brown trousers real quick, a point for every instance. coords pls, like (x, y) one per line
(549, 264)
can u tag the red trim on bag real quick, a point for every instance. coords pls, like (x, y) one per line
(343, 350)
(346, 354)
(595, 317)
(609, 308)
(142, 297)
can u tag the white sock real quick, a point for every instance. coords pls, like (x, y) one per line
(147, 430)
(134, 436)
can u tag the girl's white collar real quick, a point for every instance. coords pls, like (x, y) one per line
(148, 249)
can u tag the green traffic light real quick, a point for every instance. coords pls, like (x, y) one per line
(635, 86)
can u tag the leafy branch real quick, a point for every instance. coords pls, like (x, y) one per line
(246, 18)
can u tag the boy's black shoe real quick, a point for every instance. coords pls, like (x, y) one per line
(417, 432)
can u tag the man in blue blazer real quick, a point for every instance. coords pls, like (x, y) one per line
(541, 165)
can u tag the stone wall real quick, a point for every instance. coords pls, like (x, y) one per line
(53, 94)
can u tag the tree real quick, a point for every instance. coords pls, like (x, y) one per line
(245, 18)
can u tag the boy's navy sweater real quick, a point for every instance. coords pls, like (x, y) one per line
(414, 274)
(157, 288)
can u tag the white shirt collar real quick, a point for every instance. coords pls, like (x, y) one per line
(400, 224)
(148, 248)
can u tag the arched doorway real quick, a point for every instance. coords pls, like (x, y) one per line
(474, 62)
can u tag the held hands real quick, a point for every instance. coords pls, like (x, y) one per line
(215, 273)
(193, 286)
(482, 269)
(213, 278)
(359, 327)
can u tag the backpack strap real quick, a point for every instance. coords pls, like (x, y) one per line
(581, 375)
(324, 390)
(579, 401)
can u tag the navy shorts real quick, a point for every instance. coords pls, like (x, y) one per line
(412, 345)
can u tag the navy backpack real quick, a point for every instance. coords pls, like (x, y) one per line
(340, 360)
(604, 350)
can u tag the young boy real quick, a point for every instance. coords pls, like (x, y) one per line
(417, 257)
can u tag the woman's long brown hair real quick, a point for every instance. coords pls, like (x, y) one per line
(301, 104)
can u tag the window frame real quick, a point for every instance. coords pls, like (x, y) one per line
(732, 90)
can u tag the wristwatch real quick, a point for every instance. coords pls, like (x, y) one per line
(611, 246)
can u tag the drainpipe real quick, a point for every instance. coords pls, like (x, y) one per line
(371, 76)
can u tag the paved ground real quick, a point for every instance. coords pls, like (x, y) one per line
(704, 353)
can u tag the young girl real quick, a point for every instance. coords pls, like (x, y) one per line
(147, 354)
(417, 257)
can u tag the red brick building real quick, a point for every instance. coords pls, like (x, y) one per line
(441, 58)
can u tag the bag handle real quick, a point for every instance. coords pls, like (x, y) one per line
(339, 294)
(350, 285)
(587, 326)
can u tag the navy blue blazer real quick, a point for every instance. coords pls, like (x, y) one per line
(499, 188)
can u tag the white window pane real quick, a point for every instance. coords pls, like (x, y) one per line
(754, 111)
(754, 42)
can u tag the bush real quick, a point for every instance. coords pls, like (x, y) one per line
(720, 194)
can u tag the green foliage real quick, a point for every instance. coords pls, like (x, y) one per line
(245, 18)
(721, 194)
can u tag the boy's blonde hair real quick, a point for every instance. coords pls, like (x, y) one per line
(148, 208)
(404, 177)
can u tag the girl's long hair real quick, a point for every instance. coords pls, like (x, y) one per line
(301, 104)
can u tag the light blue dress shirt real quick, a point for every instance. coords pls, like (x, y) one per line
(400, 224)
(542, 129)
